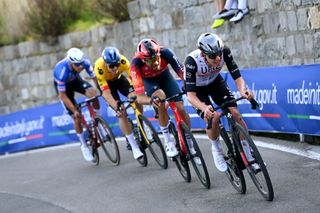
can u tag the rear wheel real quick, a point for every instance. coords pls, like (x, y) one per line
(153, 142)
(108, 141)
(256, 167)
(234, 173)
(195, 155)
(180, 161)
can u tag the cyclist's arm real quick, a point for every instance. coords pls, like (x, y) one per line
(173, 60)
(190, 76)
(109, 99)
(64, 98)
(138, 83)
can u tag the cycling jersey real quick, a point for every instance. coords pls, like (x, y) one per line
(63, 73)
(104, 75)
(199, 74)
(140, 70)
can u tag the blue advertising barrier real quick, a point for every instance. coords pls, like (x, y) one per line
(289, 99)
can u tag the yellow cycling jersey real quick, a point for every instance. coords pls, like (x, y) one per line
(103, 75)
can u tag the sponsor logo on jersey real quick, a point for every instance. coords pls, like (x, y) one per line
(100, 71)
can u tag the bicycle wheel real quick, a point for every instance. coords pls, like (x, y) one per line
(234, 173)
(155, 146)
(142, 145)
(108, 141)
(196, 158)
(180, 160)
(258, 173)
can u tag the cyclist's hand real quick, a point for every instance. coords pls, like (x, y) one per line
(247, 94)
(77, 114)
(155, 101)
(209, 112)
(120, 109)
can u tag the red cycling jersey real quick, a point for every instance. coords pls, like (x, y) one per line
(140, 70)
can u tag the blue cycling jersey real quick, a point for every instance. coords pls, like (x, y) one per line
(63, 73)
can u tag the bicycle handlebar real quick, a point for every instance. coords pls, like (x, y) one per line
(170, 99)
(129, 100)
(253, 102)
(87, 100)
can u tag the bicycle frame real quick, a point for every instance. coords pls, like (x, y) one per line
(179, 120)
(232, 122)
(137, 113)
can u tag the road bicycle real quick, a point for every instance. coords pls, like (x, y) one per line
(186, 143)
(99, 134)
(236, 157)
(145, 135)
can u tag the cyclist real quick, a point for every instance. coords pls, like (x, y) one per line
(203, 79)
(67, 81)
(151, 75)
(109, 69)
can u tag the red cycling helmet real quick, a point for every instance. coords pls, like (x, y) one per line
(148, 48)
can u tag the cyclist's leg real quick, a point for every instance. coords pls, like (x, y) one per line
(71, 87)
(152, 87)
(86, 89)
(123, 86)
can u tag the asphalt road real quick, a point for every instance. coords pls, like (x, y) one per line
(58, 180)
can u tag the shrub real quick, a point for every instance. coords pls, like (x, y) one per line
(115, 8)
(51, 18)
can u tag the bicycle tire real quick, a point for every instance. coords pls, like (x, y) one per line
(155, 145)
(143, 161)
(180, 160)
(266, 188)
(200, 168)
(108, 142)
(234, 173)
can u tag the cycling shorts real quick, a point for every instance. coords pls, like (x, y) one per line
(122, 85)
(164, 81)
(77, 85)
(219, 92)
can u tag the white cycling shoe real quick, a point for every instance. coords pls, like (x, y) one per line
(219, 161)
(86, 153)
(137, 153)
(171, 149)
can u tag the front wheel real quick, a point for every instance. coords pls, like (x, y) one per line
(256, 167)
(108, 141)
(153, 142)
(234, 173)
(180, 160)
(195, 155)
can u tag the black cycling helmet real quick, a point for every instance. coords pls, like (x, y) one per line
(210, 44)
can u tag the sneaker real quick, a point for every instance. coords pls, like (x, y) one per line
(227, 14)
(195, 158)
(137, 153)
(239, 16)
(86, 153)
(217, 23)
(219, 161)
(171, 149)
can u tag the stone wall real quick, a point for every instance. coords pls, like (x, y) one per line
(274, 33)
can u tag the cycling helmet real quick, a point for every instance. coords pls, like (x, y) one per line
(148, 48)
(111, 55)
(210, 44)
(75, 56)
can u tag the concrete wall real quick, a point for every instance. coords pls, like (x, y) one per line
(274, 33)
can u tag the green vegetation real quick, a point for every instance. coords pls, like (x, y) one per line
(45, 19)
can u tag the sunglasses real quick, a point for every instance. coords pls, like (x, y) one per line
(152, 60)
(214, 55)
(78, 64)
(111, 66)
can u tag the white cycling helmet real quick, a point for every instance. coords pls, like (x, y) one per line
(75, 55)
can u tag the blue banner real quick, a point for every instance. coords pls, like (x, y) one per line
(289, 99)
